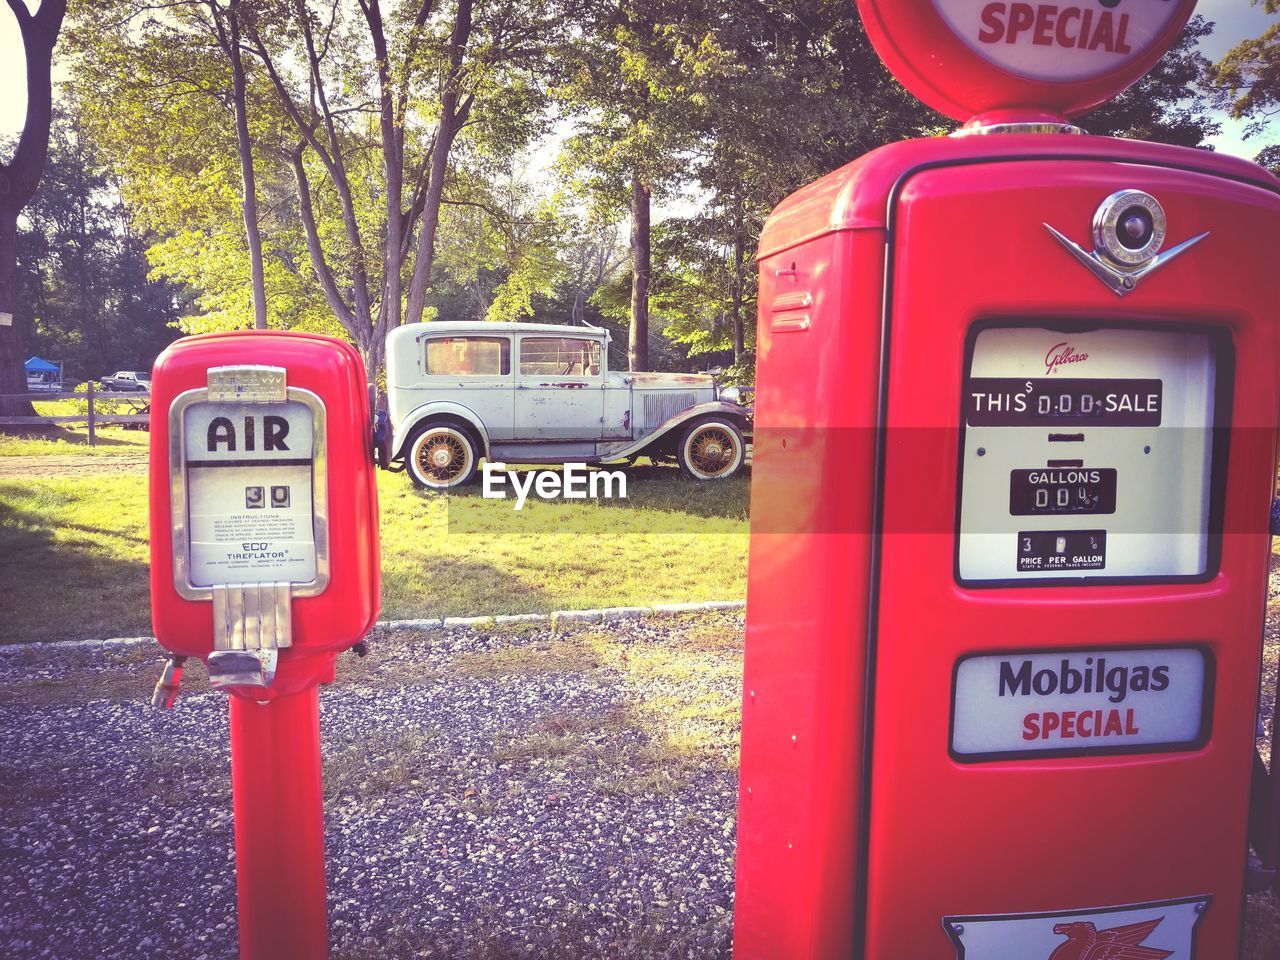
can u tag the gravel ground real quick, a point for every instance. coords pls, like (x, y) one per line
(488, 794)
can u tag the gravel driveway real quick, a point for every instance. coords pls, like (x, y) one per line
(488, 794)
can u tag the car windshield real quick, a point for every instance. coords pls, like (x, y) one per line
(559, 356)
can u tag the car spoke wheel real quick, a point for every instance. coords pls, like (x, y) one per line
(711, 450)
(441, 457)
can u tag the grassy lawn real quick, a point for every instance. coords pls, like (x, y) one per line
(73, 438)
(672, 540)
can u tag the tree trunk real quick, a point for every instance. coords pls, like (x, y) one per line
(392, 131)
(424, 258)
(18, 182)
(12, 373)
(249, 194)
(735, 292)
(452, 117)
(393, 173)
(638, 341)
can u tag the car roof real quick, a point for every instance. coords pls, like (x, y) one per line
(446, 327)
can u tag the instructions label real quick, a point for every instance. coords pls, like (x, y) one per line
(249, 492)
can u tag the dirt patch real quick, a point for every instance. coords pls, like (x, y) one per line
(71, 465)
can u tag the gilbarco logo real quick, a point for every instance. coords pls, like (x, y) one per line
(1062, 353)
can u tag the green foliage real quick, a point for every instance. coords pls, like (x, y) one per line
(1168, 105)
(1246, 82)
(156, 99)
(1269, 157)
(83, 284)
(754, 146)
(498, 251)
(721, 109)
(156, 92)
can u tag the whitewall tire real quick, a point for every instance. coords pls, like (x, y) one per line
(441, 456)
(711, 450)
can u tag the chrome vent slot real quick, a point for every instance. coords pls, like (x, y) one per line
(660, 407)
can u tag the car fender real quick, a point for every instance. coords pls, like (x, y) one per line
(437, 408)
(627, 448)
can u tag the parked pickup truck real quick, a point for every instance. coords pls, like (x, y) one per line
(135, 380)
(460, 392)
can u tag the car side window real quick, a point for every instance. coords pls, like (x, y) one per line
(468, 357)
(559, 357)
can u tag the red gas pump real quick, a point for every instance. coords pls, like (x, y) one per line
(264, 564)
(1016, 416)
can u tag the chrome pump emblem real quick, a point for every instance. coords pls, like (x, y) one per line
(1128, 231)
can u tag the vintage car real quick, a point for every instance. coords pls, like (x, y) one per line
(459, 392)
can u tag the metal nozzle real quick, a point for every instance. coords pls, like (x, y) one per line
(241, 668)
(166, 690)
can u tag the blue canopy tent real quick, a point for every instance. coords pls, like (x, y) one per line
(41, 371)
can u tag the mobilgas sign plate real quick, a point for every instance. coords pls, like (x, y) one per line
(249, 492)
(1163, 930)
(1096, 701)
(1067, 41)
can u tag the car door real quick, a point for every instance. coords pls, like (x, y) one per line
(559, 391)
(474, 371)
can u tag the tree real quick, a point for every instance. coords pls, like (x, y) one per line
(632, 86)
(1168, 105)
(754, 150)
(358, 119)
(83, 287)
(478, 61)
(160, 98)
(1246, 82)
(227, 26)
(19, 178)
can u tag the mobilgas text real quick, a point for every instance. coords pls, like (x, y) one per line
(1094, 676)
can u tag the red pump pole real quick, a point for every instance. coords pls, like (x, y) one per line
(279, 816)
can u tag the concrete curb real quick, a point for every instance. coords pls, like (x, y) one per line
(601, 615)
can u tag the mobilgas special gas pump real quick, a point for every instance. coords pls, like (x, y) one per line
(1015, 450)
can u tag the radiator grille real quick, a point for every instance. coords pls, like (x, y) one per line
(660, 407)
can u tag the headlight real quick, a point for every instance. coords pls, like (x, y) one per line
(731, 395)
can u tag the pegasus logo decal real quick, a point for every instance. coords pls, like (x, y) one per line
(1086, 942)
